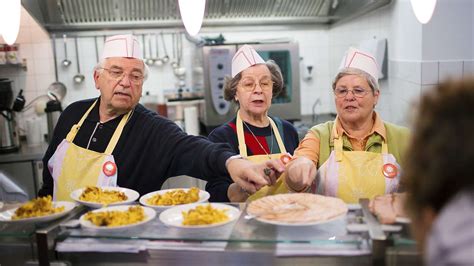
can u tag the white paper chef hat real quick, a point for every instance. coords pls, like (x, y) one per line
(122, 46)
(244, 58)
(364, 61)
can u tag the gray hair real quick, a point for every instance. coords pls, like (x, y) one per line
(230, 86)
(100, 65)
(374, 85)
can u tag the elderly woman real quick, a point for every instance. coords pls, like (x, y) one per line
(253, 134)
(357, 155)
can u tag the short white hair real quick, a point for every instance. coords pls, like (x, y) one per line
(100, 66)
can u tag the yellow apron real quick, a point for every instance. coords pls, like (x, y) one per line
(351, 175)
(279, 186)
(74, 167)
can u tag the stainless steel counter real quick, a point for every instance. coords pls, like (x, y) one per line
(25, 153)
(24, 167)
(245, 242)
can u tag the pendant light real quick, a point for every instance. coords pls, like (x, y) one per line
(423, 9)
(10, 20)
(192, 14)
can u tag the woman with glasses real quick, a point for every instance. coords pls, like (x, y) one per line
(252, 133)
(358, 155)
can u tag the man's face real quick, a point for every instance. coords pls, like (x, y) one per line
(120, 83)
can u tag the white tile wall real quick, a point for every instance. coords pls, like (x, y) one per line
(35, 47)
(429, 72)
(450, 70)
(468, 68)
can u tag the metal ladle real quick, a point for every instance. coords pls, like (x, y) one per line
(78, 78)
(149, 61)
(158, 60)
(165, 58)
(66, 62)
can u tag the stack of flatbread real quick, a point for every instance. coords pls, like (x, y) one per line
(297, 208)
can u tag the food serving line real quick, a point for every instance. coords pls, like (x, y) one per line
(353, 238)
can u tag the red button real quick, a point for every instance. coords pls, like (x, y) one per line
(285, 158)
(389, 170)
(109, 168)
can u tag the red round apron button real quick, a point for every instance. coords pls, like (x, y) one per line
(109, 168)
(285, 158)
(389, 170)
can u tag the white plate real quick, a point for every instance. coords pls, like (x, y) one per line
(131, 194)
(295, 224)
(6, 216)
(174, 216)
(149, 213)
(203, 197)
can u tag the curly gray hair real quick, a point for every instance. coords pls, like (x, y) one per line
(374, 85)
(230, 86)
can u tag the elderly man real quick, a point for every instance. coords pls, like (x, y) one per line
(114, 141)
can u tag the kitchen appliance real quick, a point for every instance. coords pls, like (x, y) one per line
(215, 62)
(9, 138)
(56, 93)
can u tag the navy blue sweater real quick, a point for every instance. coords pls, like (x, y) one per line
(227, 134)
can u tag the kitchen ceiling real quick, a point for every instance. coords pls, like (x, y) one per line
(82, 15)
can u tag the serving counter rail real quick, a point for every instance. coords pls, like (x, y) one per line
(245, 241)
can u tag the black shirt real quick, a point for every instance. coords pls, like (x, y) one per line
(150, 149)
(227, 133)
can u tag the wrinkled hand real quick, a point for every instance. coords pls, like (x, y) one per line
(301, 173)
(252, 176)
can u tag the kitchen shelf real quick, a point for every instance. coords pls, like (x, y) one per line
(22, 65)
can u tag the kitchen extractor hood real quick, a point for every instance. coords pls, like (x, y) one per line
(84, 15)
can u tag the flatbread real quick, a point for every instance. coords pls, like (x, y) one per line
(297, 208)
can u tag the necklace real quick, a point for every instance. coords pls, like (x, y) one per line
(260, 144)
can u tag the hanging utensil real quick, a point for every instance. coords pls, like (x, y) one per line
(78, 78)
(174, 62)
(165, 58)
(158, 60)
(179, 71)
(66, 62)
(96, 49)
(56, 86)
(149, 61)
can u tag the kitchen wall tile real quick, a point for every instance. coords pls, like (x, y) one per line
(429, 72)
(43, 66)
(43, 50)
(24, 35)
(38, 34)
(450, 69)
(43, 81)
(26, 51)
(468, 68)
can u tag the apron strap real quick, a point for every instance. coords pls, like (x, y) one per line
(384, 147)
(75, 128)
(338, 143)
(277, 136)
(241, 139)
(115, 137)
(240, 135)
(118, 131)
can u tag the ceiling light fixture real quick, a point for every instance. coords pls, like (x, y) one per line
(192, 14)
(423, 9)
(10, 20)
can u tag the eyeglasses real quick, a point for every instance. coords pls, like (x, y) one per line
(250, 85)
(118, 74)
(357, 92)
